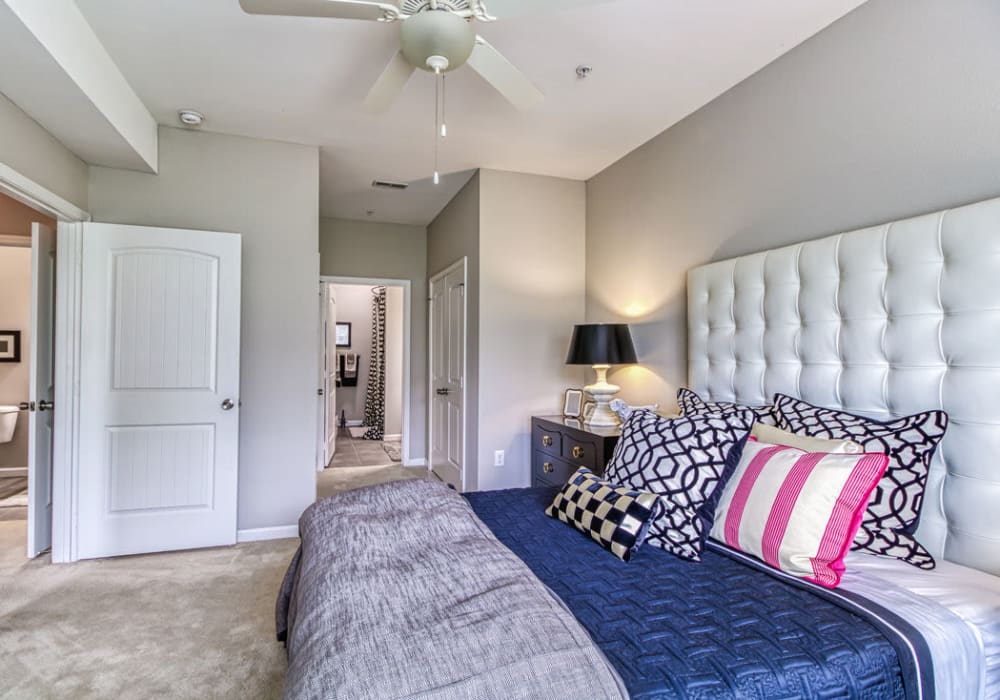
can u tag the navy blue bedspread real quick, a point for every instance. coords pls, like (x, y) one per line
(677, 629)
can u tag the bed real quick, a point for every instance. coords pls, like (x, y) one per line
(880, 322)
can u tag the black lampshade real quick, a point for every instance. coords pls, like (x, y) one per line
(601, 344)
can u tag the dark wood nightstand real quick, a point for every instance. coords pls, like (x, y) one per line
(560, 446)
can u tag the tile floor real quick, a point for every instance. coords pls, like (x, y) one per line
(358, 453)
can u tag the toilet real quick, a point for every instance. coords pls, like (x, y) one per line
(8, 421)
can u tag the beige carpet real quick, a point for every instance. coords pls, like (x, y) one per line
(196, 624)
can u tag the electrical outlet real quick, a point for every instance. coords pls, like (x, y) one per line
(498, 458)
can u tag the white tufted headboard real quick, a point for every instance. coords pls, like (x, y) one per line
(884, 321)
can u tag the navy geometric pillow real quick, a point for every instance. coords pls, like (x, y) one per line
(685, 461)
(693, 405)
(615, 517)
(894, 510)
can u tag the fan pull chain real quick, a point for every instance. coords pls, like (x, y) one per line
(437, 122)
(444, 120)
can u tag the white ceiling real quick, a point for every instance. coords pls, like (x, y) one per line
(303, 80)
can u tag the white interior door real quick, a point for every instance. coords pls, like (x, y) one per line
(159, 389)
(41, 393)
(330, 371)
(447, 385)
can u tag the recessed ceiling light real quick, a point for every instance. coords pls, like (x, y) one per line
(189, 117)
(584, 71)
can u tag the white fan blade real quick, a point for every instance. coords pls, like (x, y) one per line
(502, 9)
(388, 86)
(335, 9)
(504, 75)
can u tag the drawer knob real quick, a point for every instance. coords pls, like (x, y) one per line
(547, 440)
(548, 468)
(577, 452)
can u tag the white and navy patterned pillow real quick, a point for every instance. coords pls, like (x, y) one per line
(686, 462)
(615, 517)
(693, 405)
(894, 510)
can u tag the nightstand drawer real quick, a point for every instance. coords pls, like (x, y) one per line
(580, 452)
(552, 471)
(547, 440)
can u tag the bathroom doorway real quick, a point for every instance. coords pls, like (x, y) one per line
(365, 360)
(25, 366)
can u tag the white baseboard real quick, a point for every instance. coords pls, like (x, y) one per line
(396, 436)
(13, 471)
(415, 463)
(259, 534)
(354, 423)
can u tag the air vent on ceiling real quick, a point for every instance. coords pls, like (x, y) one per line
(389, 185)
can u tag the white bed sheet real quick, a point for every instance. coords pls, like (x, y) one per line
(956, 608)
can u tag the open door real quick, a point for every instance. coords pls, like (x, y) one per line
(331, 364)
(41, 393)
(328, 364)
(159, 390)
(447, 363)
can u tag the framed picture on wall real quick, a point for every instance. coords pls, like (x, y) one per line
(343, 334)
(10, 346)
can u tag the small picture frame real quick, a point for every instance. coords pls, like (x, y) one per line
(573, 403)
(343, 334)
(588, 410)
(10, 346)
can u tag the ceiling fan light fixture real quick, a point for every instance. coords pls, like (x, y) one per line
(434, 38)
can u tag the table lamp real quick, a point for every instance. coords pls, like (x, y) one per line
(601, 345)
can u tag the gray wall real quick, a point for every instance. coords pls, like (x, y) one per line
(531, 292)
(890, 112)
(452, 235)
(35, 153)
(396, 251)
(268, 192)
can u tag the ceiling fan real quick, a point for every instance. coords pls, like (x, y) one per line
(434, 35)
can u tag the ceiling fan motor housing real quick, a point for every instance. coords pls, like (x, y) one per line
(428, 36)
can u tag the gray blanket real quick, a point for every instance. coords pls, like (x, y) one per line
(400, 591)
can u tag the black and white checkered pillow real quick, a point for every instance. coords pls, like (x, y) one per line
(615, 517)
(693, 405)
(894, 510)
(686, 462)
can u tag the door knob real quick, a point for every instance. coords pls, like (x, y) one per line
(443, 392)
(45, 405)
(26, 406)
(227, 405)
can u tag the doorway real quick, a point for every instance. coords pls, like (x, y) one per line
(365, 363)
(27, 262)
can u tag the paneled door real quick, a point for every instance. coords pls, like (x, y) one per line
(42, 389)
(159, 389)
(447, 382)
(328, 373)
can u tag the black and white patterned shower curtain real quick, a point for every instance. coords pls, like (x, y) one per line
(375, 398)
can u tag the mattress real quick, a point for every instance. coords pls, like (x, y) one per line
(716, 629)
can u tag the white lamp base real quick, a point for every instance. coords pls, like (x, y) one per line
(604, 394)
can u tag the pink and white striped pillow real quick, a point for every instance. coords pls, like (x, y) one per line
(796, 510)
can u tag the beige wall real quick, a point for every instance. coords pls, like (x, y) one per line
(16, 218)
(15, 315)
(268, 192)
(390, 251)
(454, 234)
(354, 306)
(34, 153)
(890, 112)
(532, 263)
